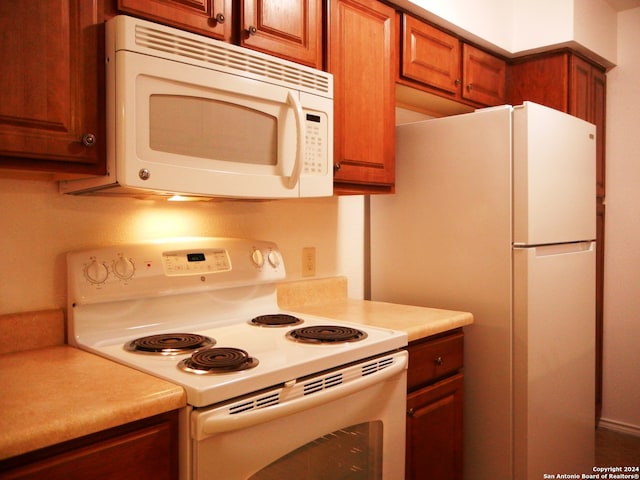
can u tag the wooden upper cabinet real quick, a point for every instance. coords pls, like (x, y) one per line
(440, 63)
(52, 75)
(542, 79)
(580, 75)
(430, 55)
(361, 57)
(291, 29)
(212, 18)
(484, 76)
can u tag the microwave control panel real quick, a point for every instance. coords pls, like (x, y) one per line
(315, 151)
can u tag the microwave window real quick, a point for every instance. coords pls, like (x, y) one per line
(212, 129)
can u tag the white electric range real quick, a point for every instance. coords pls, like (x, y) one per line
(202, 312)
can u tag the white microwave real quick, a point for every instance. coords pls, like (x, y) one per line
(193, 116)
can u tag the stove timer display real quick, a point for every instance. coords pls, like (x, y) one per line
(187, 262)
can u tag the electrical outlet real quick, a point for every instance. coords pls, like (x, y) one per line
(308, 261)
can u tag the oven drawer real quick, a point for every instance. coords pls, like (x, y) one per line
(434, 358)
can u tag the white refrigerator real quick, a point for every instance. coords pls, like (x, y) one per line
(494, 213)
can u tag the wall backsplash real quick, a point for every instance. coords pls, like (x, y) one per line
(38, 225)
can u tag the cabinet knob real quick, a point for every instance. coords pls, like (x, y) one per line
(89, 140)
(470, 87)
(411, 412)
(337, 167)
(220, 18)
(438, 361)
(252, 30)
(458, 82)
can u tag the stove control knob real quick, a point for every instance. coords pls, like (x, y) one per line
(257, 258)
(96, 272)
(274, 258)
(123, 268)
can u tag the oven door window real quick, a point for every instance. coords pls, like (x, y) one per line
(353, 453)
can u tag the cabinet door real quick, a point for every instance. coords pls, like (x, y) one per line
(291, 29)
(483, 76)
(599, 96)
(206, 17)
(543, 79)
(361, 58)
(52, 76)
(587, 101)
(147, 449)
(430, 56)
(434, 431)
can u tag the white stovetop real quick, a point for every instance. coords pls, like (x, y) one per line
(280, 359)
(206, 286)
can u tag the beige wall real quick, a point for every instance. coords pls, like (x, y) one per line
(38, 225)
(621, 396)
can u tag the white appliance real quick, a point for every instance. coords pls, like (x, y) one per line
(203, 313)
(191, 115)
(495, 214)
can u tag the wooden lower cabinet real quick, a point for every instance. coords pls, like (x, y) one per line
(147, 449)
(434, 436)
(434, 431)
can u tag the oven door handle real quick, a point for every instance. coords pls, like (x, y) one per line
(226, 423)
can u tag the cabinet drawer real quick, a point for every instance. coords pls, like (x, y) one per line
(432, 359)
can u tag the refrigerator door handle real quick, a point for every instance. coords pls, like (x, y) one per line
(559, 248)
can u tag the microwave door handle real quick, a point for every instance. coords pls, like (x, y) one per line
(299, 115)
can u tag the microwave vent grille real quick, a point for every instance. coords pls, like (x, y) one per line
(232, 58)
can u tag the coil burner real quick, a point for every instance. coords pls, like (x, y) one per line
(170, 343)
(320, 334)
(275, 320)
(218, 360)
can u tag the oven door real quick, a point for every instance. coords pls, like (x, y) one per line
(345, 423)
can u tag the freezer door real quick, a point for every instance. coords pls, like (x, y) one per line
(554, 176)
(554, 360)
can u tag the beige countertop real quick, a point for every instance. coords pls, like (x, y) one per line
(56, 393)
(328, 298)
